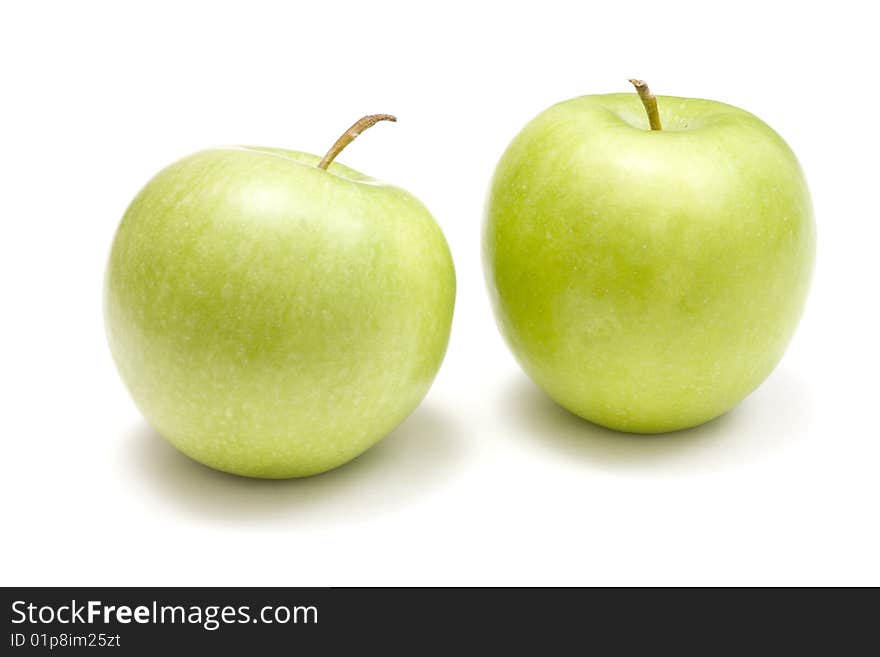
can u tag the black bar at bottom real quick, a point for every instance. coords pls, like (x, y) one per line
(132, 621)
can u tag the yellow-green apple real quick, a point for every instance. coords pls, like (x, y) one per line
(648, 262)
(274, 314)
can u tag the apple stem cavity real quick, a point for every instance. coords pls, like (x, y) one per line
(349, 136)
(649, 100)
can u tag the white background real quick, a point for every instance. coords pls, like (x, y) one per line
(487, 482)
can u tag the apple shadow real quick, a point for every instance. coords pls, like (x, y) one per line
(415, 458)
(772, 418)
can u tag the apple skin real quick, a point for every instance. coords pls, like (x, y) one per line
(272, 319)
(648, 281)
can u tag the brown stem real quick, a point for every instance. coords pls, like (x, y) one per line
(349, 135)
(649, 100)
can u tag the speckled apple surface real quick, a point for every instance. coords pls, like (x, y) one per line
(648, 280)
(272, 319)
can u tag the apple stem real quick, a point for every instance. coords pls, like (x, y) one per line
(349, 136)
(649, 100)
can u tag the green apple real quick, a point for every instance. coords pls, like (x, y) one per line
(648, 268)
(275, 316)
